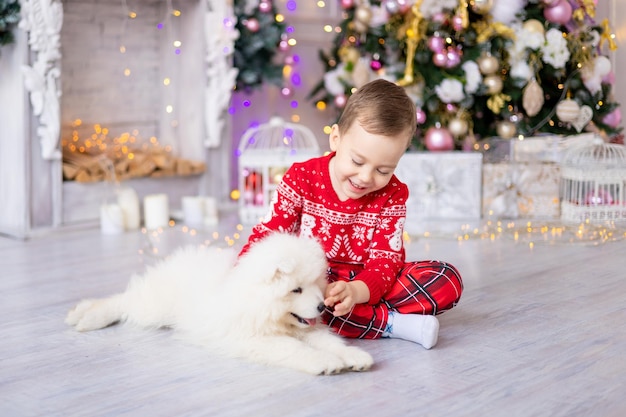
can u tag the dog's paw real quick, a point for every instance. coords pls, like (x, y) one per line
(323, 364)
(91, 315)
(356, 359)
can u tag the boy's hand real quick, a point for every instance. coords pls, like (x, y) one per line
(344, 295)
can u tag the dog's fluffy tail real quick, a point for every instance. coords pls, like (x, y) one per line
(161, 297)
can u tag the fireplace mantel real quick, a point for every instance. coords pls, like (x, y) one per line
(33, 196)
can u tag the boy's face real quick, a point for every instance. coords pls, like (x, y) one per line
(364, 162)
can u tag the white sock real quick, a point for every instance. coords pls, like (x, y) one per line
(417, 328)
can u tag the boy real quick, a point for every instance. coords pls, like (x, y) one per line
(351, 202)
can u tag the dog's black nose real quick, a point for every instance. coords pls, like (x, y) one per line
(321, 307)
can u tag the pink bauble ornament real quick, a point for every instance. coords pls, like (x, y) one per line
(347, 4)
(392, 6)
(405, 5)
(440, 59)
(600, 197)
(265, 7)
(420, 115)
(609, 78)
(454, 57)
(559, 13)
(457, 23)
(376, 65)
(613, 119)
(436, 43)
(438, 139)
(340, 101)
(252, 24)
(439, 17)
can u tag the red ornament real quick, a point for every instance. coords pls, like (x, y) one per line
(438, 139)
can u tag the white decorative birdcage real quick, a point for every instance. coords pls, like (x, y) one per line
(593, 183)
(265, 153)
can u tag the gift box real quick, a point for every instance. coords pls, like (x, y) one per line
(549, 148)
(495, 149)
(522, 189)
(444, 189)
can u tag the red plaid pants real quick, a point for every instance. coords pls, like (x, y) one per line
(422, 287)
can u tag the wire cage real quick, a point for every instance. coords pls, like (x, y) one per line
(593, 183)
(265, 153)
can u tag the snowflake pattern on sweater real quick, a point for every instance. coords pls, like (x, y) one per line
(362, 238)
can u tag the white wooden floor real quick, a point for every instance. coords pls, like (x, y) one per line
(539, 332)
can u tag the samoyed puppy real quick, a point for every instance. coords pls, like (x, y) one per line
(263, 307)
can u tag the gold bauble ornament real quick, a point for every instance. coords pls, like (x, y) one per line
(488, 64)
(458, 127)
(481, 6)
(506, 129)
(534, 26)
(493, 84)
(363, 14)
(362, 18)
(532, 98)
(567, 110)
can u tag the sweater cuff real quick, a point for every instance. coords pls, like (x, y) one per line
(374, 284)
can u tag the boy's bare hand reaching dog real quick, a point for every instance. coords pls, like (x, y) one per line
(344, 295)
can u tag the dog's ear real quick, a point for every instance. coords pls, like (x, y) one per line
(286, 266)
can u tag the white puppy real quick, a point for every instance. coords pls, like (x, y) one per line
(263, 307)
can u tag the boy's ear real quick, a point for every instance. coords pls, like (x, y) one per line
(333, 138)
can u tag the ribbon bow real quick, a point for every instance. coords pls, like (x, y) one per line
(607, 36)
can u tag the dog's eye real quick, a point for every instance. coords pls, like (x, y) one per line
(297, 290)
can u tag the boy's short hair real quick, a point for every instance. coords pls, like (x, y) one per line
(381, 108)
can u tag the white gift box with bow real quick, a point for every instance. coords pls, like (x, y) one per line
(523, 189)
(444, 188)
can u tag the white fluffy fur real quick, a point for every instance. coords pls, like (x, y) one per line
(243, 308)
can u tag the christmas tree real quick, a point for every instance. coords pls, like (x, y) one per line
(479, 68)
(9, 16)
(262, 35)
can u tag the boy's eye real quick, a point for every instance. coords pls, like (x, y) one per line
(297, 290)
(357, 163)
(383, 172)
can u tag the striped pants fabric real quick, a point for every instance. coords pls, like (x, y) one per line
(422, 287)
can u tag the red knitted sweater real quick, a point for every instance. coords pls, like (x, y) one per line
(362, 238)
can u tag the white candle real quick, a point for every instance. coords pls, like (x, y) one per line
(210, 211)
(111, 219)
(193, 210)
(129, 202)
(156, 211)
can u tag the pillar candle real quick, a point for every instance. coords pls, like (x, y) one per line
(193, 210)
(156, 211)
(210, 211)
(111, 219)
(129, 202)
